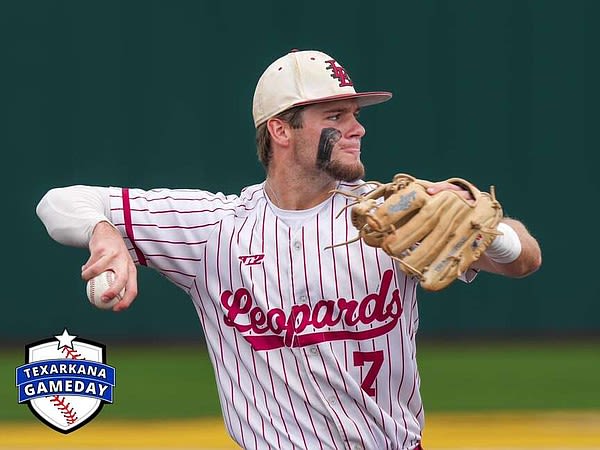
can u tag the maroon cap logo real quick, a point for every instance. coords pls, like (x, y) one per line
(339, 73)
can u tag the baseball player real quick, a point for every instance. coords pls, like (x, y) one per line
(313, 347)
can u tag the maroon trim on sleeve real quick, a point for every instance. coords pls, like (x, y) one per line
(129, 226)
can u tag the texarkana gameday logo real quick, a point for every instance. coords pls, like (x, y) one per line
(65, 381)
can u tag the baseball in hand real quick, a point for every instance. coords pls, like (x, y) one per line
(98, 285)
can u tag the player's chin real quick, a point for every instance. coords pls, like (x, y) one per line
(346, 171)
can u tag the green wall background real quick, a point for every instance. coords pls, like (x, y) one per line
(158, 93)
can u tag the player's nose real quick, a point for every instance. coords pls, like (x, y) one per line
(356, 129)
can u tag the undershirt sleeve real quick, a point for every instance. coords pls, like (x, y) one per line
(71, 213)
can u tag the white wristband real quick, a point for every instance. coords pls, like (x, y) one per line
(505, 248)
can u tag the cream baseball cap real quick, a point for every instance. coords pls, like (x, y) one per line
(303, 78)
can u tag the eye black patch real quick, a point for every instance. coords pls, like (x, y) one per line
(329, 137)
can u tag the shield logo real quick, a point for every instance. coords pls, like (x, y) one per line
(65, 381)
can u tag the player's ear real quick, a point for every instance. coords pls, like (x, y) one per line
(279, 131)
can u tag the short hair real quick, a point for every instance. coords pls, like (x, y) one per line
(293, 116)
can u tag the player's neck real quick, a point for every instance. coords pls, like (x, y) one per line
(298, 193)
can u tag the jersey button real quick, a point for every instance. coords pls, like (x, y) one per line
(302, 299)
(357, 447)
(297, 245)
(314, 350)
(332, 400)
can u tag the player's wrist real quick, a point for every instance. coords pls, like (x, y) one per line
(101, 226)
(507, 247)
(103, 223)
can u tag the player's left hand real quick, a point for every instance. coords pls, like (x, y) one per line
(435, 231)
(445, 186)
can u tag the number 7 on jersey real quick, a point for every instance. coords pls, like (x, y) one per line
(376, 360)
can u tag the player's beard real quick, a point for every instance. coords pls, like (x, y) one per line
(343, 171)
(329, 138)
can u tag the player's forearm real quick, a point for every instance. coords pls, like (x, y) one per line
(71, 213)
(528, 261)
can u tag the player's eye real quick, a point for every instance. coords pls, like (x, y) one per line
(334, 117)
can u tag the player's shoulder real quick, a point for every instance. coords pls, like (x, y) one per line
(175, 195)
(250, 199)
(253, 193)
(179, 199)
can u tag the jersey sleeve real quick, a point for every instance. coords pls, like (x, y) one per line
(167, 229)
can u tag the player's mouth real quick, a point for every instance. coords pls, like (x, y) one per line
(355, 150)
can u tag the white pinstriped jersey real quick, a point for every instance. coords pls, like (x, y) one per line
(313, 348)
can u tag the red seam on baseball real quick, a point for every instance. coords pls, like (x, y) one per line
(92, 289)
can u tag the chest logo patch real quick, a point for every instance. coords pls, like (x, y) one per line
(252, 260)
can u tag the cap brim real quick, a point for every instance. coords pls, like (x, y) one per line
(363, 98)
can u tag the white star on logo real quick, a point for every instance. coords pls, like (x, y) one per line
(65, 339)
